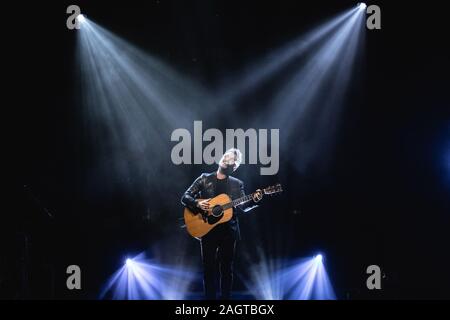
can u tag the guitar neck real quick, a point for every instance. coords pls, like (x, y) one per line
(269, 190)
(238, 201)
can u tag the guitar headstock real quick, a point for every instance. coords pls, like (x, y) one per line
(273, 189)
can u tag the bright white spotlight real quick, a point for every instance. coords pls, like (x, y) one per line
(81, 18)
(115, 75)
(362, 5)
(303, 279)
(140, 278)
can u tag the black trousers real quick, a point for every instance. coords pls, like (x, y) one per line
(218, 248)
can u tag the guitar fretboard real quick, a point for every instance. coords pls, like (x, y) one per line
(238, 201)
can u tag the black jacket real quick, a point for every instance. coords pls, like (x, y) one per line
(204, 187)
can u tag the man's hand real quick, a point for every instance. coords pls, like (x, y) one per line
(257, 196)
(204, 204)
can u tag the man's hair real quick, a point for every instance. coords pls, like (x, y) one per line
(235, 153)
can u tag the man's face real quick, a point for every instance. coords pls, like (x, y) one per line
(228, 159)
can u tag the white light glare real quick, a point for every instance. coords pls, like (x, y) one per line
(81, 18)
(142, 279)
(362, 5)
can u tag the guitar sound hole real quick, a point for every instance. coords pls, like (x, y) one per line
(217, 211)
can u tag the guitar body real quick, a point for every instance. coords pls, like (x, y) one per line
(221, 211)
(196, 224)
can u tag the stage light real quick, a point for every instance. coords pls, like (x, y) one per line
(362, 5)
(307, 115)
(130, 103)
(143, 279)
(304, 279)
(81, 18)
(271, 65)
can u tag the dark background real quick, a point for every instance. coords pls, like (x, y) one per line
(383, 198)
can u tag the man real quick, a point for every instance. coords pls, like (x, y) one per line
(218, 245)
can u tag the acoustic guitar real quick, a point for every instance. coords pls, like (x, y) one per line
(221, 210)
